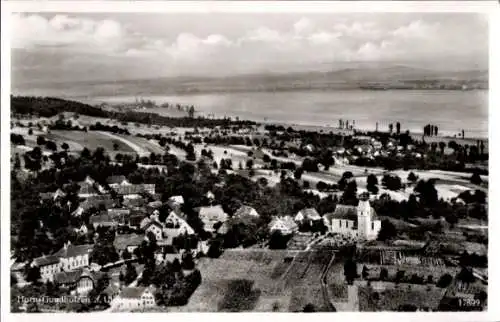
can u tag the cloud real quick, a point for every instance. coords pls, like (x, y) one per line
(304, 42)
(63, 31)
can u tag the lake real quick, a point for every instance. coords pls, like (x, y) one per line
(451, 111)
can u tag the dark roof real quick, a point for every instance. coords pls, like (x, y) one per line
(74, 250)
(344, 212)
(153, 222)
(123, 241)
(115, 179)
(132, 292)
(46, 260)
(67, 277)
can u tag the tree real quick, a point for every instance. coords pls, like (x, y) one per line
(444, 281)
(65, 146)
(130, 274)
(309, 308)
(398, 128)
(364, 272)
(384, 274)
(350, 271)
(350, 196)
(390, 128)
(115, 146)
(298, 173)
(387, 230)
(33, 274)
(476, 178)
(412, 177)
(187, 261)
(278, 240)
(249, 164)
(371, 184)
(466, 276)
(126, 254)
(442, 145)
(40, 140)
(30, 132)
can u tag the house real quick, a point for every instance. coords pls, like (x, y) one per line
(110, 292)
(210, 195)
(154, 227)
(74, 256)
(102, 220)
(246, 211)
(115, 181)
(48, 265)
(176, 220)
(175, 202)
(127, 242)
(82, 230)
(53, 195)
(126, 188)
(358, 222)
(307, 215)
(286, 225)
(87, 281)
(212, 215)
(68, 280)
(134, 298)
(87, 190)
(98, 201)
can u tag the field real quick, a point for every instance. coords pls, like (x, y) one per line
(391, 298)
(265, 279)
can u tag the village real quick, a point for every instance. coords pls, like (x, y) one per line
(144, 217)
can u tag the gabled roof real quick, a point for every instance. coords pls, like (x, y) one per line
(69, 277)
(45, 260)
(286, 221)
(176, 199)
(245, 211)
(212, 213)
(151, 223)
(310, 213)
(74, 250)
(132, 292)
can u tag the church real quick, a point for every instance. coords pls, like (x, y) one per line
(359, 222)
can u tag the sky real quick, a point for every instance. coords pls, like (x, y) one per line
(68, 47)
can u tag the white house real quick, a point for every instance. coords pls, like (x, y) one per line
(356, 222)
(48, 265)
(74, 256)
(156, 228)
(286, 225)
(176, 221)
(212, 215)
(134, 298)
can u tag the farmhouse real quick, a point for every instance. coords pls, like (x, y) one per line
(133, 298)
(356, 222)
(176, 220)
(286, 225)
(212, 215)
